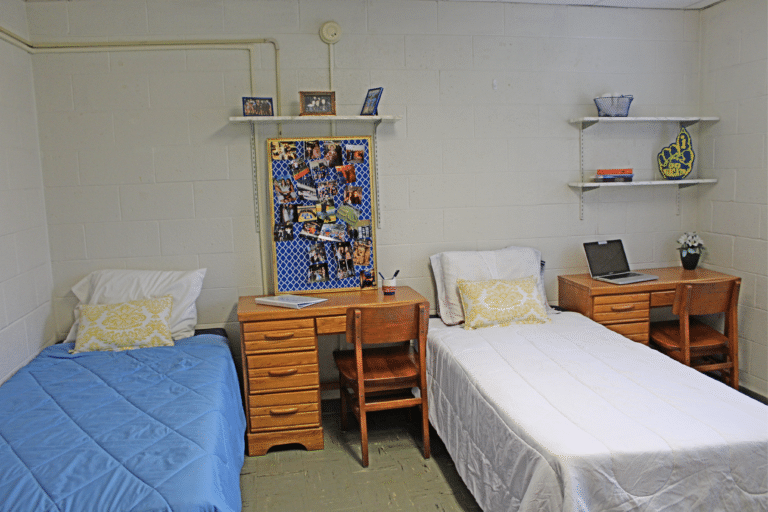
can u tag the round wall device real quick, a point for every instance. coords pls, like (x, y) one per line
(330, 32)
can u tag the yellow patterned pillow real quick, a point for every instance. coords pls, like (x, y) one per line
(125, 326)
(500, 302)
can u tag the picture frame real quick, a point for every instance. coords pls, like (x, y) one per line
(258, 107)
(323, 213)
(371, 103)
(317, 103)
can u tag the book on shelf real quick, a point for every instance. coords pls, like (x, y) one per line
(288, 301)
(613, 172)
(612, 178)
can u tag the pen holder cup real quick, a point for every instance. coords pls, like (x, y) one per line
(388, 286)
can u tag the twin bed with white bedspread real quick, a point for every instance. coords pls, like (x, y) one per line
(570, 416)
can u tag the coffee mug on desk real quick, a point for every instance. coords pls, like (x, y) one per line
(388, 286)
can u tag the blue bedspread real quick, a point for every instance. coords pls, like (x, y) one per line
(149, 429)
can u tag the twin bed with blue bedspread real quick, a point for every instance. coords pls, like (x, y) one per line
(159, 428)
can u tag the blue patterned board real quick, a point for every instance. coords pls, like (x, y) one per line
(323, 215)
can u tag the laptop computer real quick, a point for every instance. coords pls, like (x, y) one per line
(608, 262)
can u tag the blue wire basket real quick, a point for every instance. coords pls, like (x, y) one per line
(613, 106)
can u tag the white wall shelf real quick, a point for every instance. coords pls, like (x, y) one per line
(586, 122)
(314, 119)
(591, 185)
(585, 186)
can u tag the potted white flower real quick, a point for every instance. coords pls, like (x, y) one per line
(691, 247)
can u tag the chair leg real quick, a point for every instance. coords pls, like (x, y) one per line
(425, 429)
(364, 436)
(344, 413)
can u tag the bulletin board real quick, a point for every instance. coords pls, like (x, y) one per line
(323, 214)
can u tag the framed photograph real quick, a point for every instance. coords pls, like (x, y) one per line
(371, 104)
(323, 213)
(317, 103)
(258, 107)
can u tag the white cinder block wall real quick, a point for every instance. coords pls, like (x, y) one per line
(142, 168)
(26, 319)
(733, 216)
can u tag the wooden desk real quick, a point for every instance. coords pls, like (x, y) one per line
(626, 308)
(280, 364)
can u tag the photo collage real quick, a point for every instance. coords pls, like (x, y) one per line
(323, 213)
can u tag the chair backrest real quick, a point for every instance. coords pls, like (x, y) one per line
(706, 298)
(387, 323)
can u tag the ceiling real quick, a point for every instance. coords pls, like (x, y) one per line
(636, 4)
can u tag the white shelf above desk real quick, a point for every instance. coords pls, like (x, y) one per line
(585, 122)
(590, 185)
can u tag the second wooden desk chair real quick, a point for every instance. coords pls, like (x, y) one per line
(381, 378)
(696, 344)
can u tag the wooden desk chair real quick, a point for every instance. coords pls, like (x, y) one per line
(696, 344)
(381, 378)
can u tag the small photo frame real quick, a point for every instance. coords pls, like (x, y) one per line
(258, 107)
(371, 103)
(317, 103)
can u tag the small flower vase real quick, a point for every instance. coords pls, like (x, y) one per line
(689, 259)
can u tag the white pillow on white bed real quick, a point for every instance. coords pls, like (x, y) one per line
(115, 286)
(507, 264)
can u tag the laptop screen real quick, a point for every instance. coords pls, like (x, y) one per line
(606, 258)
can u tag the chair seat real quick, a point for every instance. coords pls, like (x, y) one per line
(703, 337)
(381, 365)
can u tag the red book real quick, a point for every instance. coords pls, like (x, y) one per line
(614, 171)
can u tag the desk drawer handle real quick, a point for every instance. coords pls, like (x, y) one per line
(284, 412)
(283, 373)
(624, 307)
(278, 336)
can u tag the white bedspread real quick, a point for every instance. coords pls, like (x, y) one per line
(570, 416)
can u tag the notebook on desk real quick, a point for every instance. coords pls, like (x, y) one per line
(608, 262)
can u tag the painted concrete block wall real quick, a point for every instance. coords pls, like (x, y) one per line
(734, 215)
(25, 264)
(142, 168)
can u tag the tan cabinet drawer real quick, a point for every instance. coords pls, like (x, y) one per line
(285, 378)
(279, 335)
(636, 328)
(281, 399)
(267, 361)
(273, 341)
(621, 308)
(665, 298)
(331, 324)
(279, 325)
(299, 409)
(300, 416)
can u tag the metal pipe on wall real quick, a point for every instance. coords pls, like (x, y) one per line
(248, 45)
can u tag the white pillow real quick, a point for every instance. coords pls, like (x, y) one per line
(508, 263)
(115, 286)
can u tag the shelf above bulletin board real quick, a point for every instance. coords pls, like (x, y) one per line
(314, 119)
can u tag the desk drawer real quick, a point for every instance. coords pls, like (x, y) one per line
(299, 339)
(279, 335)
(279, 325)
(282, 360)
(266, 400)
(332, 324)
(282, 379)
(288, 416)
(665, 298)
(637, 331)
(621, 308)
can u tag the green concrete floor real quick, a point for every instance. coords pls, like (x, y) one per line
(398, 478)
